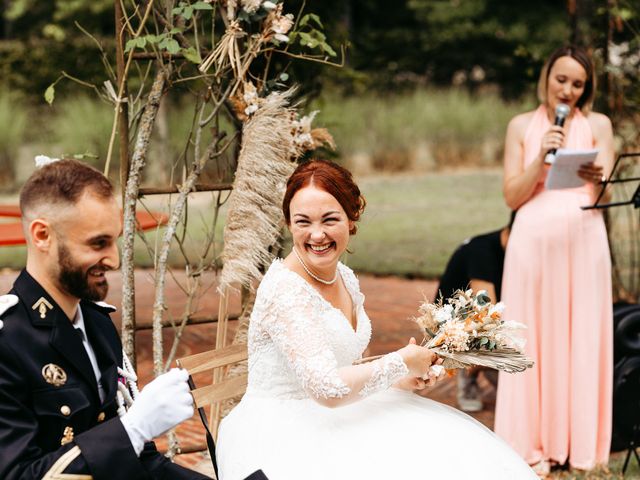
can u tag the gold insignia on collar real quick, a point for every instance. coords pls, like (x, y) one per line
(42, 305)
(67, 436)
(54, 375)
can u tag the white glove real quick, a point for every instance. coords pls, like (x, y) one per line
(162, 404)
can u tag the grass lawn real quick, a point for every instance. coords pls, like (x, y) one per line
(615, 467)
(412, 224)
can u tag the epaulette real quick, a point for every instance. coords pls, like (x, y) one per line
(106, 307)
(6, 302)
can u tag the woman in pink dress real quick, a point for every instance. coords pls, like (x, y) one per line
(557, 279)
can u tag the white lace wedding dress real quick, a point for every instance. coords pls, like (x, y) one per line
(301, 350)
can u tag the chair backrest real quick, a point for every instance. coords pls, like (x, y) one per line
(211, 360)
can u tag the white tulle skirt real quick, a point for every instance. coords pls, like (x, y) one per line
(390, 435)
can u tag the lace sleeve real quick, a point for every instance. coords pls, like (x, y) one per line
(293, 320)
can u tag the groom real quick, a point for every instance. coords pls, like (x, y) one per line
(60, 354)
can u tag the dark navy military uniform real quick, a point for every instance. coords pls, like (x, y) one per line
(52, 422)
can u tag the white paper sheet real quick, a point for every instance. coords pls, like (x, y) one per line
(564, 169)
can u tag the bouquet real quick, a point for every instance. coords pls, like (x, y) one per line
(468, 330)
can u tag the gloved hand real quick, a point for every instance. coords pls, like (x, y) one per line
(162, 404)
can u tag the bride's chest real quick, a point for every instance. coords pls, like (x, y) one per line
(347, 341)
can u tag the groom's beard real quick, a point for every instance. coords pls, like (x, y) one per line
(77, 282)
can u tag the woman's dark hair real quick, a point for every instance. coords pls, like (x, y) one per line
(333, 179)
(585, 101)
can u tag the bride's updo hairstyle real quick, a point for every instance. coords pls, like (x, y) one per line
(333, 179)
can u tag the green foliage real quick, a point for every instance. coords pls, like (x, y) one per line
(163, 41)
(13, 129)
(81, 125)
(39, 39)
(186, 10)
(50, 93)
(456, 127)
(310, 35)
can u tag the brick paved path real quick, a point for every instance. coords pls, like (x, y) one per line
(390, 302)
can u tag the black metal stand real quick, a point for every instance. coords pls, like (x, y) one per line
(635, 198)
(635, 201)
(633, 448)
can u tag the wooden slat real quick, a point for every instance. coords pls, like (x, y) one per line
(220, 391)
(208, 187)
(193, 320)
(201, 362)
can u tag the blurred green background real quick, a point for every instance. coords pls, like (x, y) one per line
(418, 111)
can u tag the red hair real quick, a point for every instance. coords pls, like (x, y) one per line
(333, 179)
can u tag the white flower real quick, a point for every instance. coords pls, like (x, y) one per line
(444, 314)
(513, 325)
(498, 308)
(282, 23)
(455, 337)
(304, 139)
(460, 301)
(268, 5)
(251, 109)
(42, 160)
(250, 93)
(281, 37)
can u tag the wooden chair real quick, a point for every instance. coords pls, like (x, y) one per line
(214, 394)
(221, 389)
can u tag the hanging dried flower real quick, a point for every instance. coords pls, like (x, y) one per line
(246, 101)
(250, 6)
(278, 25)
(232, 5)
(305, 138)
(227, 50)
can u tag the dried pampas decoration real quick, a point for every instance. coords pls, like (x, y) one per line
(255, 217)
(255, 204)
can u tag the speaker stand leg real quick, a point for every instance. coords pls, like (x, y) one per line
(633, 446)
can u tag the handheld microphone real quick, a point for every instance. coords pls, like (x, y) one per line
(562, 110)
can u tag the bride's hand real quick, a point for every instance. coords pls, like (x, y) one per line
(435, 374)
(411, 384)
(418, 359)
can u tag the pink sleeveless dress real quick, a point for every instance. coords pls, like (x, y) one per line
(557, 281)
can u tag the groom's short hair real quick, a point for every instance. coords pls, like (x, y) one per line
(61, 184)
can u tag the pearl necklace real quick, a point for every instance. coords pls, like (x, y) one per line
(315, 277)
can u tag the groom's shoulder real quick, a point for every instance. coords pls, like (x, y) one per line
(102, 307)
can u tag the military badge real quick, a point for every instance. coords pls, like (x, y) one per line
(43, 306)
(67, 436)
(54, 375)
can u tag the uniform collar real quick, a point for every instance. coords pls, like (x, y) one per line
(33, 295)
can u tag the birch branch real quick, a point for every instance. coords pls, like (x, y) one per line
(161, 269)
(138, 161)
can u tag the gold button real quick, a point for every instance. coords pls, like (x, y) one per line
(65, 410)
(101, 416)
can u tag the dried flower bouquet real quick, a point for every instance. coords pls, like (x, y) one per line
(468, 330)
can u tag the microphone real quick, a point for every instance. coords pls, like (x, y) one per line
(562, 110)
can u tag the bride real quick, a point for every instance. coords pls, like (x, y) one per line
(308, 412)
